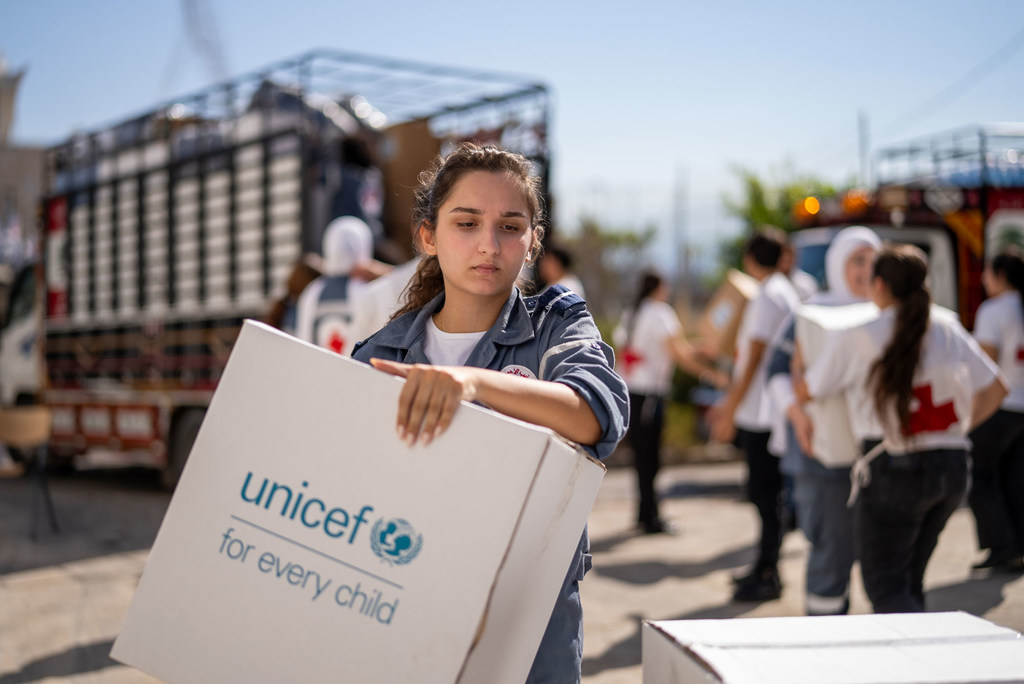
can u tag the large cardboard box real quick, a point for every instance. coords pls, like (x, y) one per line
(720, 323)
(306, 543)
(833, 441)
(846, 649)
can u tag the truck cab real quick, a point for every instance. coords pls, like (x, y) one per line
(958, 195)
(21, 368)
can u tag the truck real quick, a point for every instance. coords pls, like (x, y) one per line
(958, 195)
(160, 234)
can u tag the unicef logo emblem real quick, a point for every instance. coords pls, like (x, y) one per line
(395, 541)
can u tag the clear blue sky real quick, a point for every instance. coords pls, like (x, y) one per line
(644, 92)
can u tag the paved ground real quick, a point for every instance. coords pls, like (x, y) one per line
(62, 598)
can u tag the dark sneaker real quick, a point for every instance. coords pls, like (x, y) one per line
(763, 585)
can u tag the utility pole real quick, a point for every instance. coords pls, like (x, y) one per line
(864, 144)
(680, 187)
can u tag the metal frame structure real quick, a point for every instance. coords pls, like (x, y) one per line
(989, 155)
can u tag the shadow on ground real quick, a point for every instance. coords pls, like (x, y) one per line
(627, 653)
(77, 660)
(652, 572)
(99, 512)
(977, 595)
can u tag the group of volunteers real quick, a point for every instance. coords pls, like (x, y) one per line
(915, 390)
(457, 324)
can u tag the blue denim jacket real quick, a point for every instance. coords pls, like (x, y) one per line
(549, 337)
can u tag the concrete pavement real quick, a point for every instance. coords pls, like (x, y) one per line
(62, 598)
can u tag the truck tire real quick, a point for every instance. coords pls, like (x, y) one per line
(183, 434)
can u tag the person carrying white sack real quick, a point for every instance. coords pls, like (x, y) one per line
(820, 489)
(929, 383)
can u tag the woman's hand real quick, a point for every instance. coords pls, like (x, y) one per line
(429, 399)
(722, 421)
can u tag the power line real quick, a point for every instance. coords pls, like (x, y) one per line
(962, 84)
(942, 98)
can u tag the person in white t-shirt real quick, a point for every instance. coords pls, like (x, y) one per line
(928, 382)
(804, 283)
(650, 345)
(555, 268)
(997, 484)
(819, 490)
(327, 312)
(741, 417)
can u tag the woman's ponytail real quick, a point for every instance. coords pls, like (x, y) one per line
(903, 269)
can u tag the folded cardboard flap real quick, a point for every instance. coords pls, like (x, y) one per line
(305, 542)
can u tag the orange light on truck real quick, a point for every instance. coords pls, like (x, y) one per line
(856, 201)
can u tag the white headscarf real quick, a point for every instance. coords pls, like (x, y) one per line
(347, 243)
(844, 244)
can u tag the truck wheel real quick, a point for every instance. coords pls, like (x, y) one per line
(183, 434)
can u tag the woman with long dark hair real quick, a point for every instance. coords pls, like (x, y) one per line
(650, 344)
(928, 382)
(466, 333)
(997, 485)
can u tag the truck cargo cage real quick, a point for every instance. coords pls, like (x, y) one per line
(208, 199)
(165, 230)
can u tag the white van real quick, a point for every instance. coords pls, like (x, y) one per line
(810, 246)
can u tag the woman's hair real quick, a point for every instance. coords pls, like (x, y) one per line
(436, 184)
(649, 282)
(903, 268)
(1009, 265)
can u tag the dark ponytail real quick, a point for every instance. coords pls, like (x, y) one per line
(1009, 265)
(436, 184)
(649, 282)
(903, 269)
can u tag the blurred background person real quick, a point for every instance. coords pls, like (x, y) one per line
(327, 309)
(555, 268)
(803, 282)
(928, 383)
(282, 314)
(651, 343)
(997, 489)
(821, 491)
(740, 417)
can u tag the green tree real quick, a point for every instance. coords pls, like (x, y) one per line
(767, 202)
(607, 261)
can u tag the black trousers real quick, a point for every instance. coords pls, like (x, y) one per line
(646, 423)
(997, 486)
(900, 515)
(764, 488)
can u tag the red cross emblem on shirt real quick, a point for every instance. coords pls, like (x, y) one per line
(1020, 354)
(928, 417)
(336, 342)
(630, 357)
